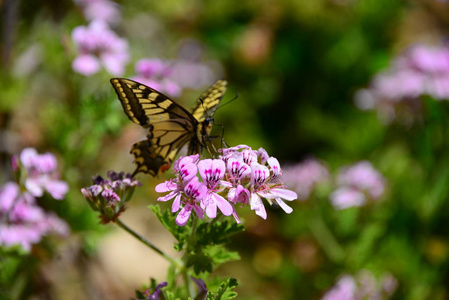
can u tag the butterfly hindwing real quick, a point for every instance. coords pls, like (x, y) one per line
(169, 125)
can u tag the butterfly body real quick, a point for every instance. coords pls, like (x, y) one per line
(170, 126)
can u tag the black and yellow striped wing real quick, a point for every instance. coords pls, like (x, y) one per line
(169, 125)
(208, 102)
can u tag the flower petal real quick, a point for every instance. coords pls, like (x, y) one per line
(284, 194)
(225, 207)
(284, 206)
(184, 215)
(257, 205)
(86, 64)
(166, 186)
(176, 204)
(168, 196)
(56, 188)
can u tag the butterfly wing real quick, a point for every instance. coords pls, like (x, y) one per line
(207, 103)
(203, 112)
(169, 125)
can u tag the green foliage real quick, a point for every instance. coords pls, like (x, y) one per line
(225, 291)
(217, 232)
(168, 221)
(204, 248)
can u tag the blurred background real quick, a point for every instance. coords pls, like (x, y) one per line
(349, 95)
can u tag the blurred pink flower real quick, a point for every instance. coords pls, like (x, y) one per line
(356, 185)
(422, 70)
(305, 176)
(188, 71)
(191, 75)
(22, 222)
(100, 10)
(363, 286)
(41, 174)
(99, 46)
(344, 289)
(155, 73)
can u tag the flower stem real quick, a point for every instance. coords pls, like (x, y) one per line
(190, 289)
(325, 238)
(147, 243)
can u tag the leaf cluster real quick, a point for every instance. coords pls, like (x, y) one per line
(203, 244)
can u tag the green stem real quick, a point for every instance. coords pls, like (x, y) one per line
(325, 238)
(147, 243)
(190, 289)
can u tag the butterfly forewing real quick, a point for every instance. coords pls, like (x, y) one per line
(209, 100)
(144, 105)
(169, 125)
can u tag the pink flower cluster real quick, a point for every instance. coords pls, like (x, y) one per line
(305, 176)
(241, 176)
(357, 184)
(422, 70)
(22, 221)
(99, 46)
(362, 286)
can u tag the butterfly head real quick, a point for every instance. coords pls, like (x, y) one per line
(207, 126)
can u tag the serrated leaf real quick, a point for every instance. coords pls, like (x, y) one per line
(217, 233)
(226, 290)
(220, 254)
(200, 262)
(167, 219)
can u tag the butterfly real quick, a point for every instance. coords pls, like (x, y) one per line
(170, 126)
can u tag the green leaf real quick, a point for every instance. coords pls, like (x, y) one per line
(200, 262)
(167, 219)
(226, 290)
(219, 255)
(217, 233)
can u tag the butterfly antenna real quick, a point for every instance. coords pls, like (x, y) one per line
(233, 99)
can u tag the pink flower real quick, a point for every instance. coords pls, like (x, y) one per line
(41, 174)
(194, 192)
(155, 73)
(186, 169)
(212, 171)
(262, 187)
(305, 176)
(357, 184)
(345, 197)
(189, 70)
(99, 46)
(395, 92)
(344, 289)
(102, 10)
(362, 286)
(22, 222)
(190, 74)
